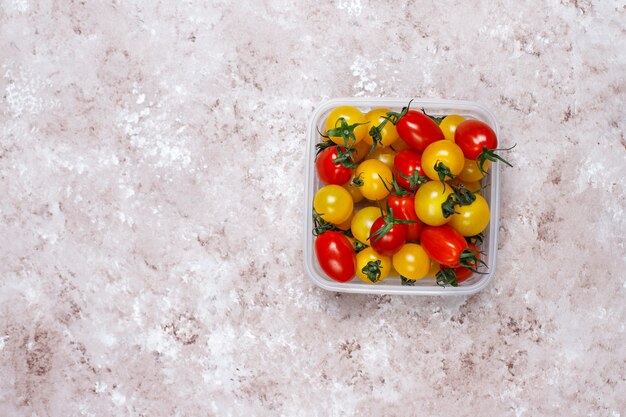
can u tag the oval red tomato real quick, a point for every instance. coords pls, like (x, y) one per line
(472, 135)
(407, 168)
(330, 172)
(443, 244)
(336, 256)
(418, 130)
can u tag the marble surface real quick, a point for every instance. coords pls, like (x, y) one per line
(151, 170)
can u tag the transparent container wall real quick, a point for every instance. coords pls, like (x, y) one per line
(392, 285)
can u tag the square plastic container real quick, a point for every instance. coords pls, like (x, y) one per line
(392, 284)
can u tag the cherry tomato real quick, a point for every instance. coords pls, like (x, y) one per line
(472, 219)
(472, 135)
(470, 172)
(351, 115)
(377, 267)
(473, 186)
(404, 209)
(434, 268)
(384, 155)
(370, 172)
(385, 135)
(336, 256)
(443, 244)
(328, 171)
(462, 274)
(333, 203)
(361, 150)
(444, 152)
(347, 224)
(354, 191)
(449, 124)
(407, 168)
(428, 200)
(391, 241)
(362, 223)
(411, 261)
(418, 130)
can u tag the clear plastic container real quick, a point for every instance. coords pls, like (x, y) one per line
(392, 284)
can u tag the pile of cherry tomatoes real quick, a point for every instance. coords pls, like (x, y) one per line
(401, 195)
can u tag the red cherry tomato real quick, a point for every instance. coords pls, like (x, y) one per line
(404, 209)
(328, 171)
(472, 135)
(408, 163)
(390, 242)
(462, 273)
(336, 256)
(443, 244)
(418, 130)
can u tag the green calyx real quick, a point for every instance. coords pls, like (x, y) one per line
(447, 207)
(377, 137)
(476, 239)
(372, 270)
(491, 155)
(344, 153)
(357, 181)
(323, 145)
(358, 246)
(390, 221)
(406, 281)
(463, 196)
(433, 118)
(320, 225)
(443, 172)
(394, 117)
(395, 187)
(470, 259)
(344, 157)
(415, 179)
(344, 131)
(460, 197)
(446, 276)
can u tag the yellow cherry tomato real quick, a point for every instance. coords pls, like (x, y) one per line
(445, 152)
(470, 172)
(362, 223)
(471, 219)
(384, 155)
(370, 172)
(448, 125)
(393, 272)
(333, 203)
(411, 261)
(428, 200)
(361, 150)
(347, 224)
(351, 115)
(377, 266)
(473, 186)
(434, 268)
(354, 191)
(386, 130)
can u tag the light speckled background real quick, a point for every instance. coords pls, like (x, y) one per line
(151, 162)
